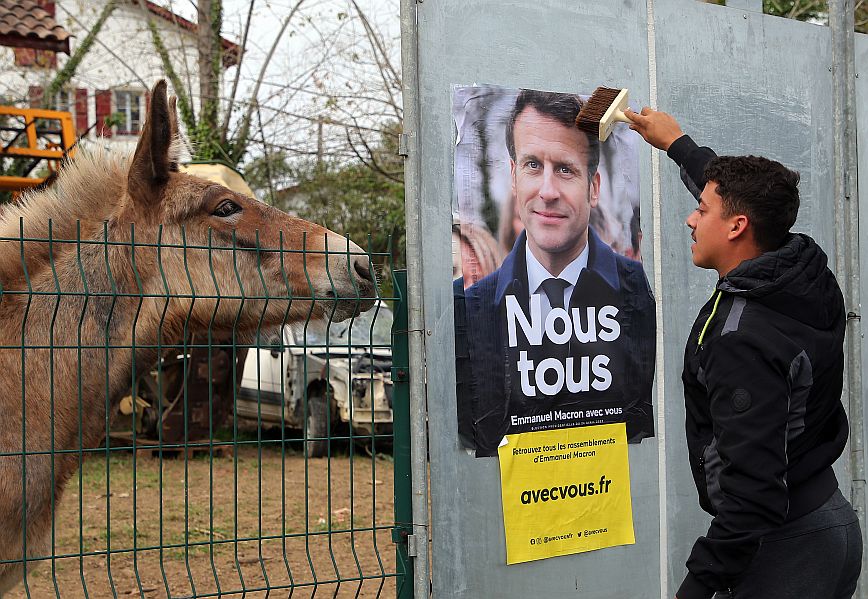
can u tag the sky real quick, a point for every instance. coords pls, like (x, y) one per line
(323, 54)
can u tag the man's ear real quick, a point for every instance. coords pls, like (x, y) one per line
(594, 190)
(738, 226)
(512, 175)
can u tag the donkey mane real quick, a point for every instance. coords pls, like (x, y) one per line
(89, 189)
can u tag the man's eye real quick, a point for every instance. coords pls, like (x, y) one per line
(226, 208)
(565, 170)
(532, 164)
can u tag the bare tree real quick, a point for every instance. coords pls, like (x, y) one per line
(216, 134)
(349, 100)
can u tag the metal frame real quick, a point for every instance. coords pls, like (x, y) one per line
(847, 247)
(744, 18)
(30, 134)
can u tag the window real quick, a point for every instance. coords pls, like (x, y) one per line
(63, 101)
(128, 112)
(50, 129)
(28, 57)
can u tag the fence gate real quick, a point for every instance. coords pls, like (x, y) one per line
(270, 462)
(739, 81)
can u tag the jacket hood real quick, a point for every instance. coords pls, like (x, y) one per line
(793, 280)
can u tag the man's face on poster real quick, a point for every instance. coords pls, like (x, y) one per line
(553, 192)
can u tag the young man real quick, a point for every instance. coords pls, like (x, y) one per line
(763, 373)
(557, 263)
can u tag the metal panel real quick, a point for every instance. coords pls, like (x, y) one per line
(743, 91)
(738, 81)
(542, 45)
(861, 105)
(754, 5)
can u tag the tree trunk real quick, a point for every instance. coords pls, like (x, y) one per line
(210, 63)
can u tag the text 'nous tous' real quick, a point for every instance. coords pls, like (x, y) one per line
(586, 325)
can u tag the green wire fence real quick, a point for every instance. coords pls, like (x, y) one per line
(263, 463)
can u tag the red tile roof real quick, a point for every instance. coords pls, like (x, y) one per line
(25, 24)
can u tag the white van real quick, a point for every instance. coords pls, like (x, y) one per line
(314, 381)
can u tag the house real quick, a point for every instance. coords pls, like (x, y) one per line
(108, 93)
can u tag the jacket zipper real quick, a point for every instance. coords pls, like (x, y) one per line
(719, 294)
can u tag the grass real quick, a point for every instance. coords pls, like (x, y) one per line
(173, 509)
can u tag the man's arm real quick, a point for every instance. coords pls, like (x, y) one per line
(663, 132)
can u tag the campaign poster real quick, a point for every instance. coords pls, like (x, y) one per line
(565, 491)
(554, 317)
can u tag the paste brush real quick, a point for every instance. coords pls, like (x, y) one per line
(602, 110)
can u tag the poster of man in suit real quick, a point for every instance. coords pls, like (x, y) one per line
(554, 316)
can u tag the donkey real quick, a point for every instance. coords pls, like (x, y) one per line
(120, 257)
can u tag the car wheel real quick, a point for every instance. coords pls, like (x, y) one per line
(317, 424)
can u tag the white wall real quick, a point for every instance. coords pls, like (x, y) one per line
(123, 57)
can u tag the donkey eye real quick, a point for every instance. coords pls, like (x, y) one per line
(226, 208)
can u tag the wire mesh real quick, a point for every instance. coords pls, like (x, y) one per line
(146, 450)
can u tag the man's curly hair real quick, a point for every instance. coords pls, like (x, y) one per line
(765, 191)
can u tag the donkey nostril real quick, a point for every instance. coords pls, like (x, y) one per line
(363, 271)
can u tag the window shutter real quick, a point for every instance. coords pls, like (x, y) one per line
(24, 57)
(103, 101)
(80, 111)
(35, 93)
(47, 6)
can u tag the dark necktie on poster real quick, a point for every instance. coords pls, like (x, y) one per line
(554, 289)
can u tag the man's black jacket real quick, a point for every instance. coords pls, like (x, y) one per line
(763, 372)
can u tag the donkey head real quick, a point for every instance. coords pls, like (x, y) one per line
(240, 262)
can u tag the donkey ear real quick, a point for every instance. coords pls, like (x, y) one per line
(151, 163)
(173, 131)
(173, 116)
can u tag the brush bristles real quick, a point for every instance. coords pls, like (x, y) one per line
(595, 107)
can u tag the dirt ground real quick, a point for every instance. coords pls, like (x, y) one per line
(260, 523)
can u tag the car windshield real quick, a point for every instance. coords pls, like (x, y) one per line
(374, 327)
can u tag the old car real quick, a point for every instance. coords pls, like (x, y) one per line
(319, 381)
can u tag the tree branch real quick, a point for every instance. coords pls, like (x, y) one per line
(382, 59)
(224, 134)
(68, 71)
(187, 114)
(240, 145)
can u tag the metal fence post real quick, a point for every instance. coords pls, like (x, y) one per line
(416, 321)
(841, 23)
(403, 488)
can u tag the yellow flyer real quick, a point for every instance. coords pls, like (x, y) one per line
(565, 491)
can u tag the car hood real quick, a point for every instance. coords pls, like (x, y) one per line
(354, 351)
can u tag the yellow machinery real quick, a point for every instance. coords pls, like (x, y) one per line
(34, 135)
(219, 173)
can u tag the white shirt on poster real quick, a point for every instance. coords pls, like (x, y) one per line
(537, 273)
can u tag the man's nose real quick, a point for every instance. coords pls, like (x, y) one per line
(548, 191)
(690, 221)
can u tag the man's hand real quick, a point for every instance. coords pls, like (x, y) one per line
(657, 128)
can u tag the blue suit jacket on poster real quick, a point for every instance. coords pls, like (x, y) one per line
(488, 393)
